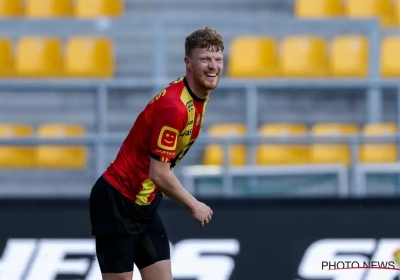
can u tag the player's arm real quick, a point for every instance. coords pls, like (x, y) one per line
(165, 179)
(162, 175)
(169, 122)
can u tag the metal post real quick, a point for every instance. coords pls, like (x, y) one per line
(398, 118)
(354, 161)
(397, 142)
(251, 120)
(374, 94)
(374, 105)
(101, 114)
(343, 180)
(360, 177)
(227, 181)
(252, 127)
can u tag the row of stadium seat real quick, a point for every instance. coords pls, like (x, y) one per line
(61, 8)
(249, 57)
(315, 153)
(74, 157)
(35, 57)
(46, 157)
(310, 56)
(387, 11)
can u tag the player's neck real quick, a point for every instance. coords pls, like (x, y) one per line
(198, 91)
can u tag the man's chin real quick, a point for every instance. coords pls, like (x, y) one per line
(210, 86)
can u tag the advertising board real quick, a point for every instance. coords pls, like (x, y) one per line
(246, 239)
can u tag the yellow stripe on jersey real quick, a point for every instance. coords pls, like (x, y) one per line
(147, 190)
(164, 159)
(185, 135)
(184, 138)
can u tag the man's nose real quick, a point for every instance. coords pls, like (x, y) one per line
(212, 65)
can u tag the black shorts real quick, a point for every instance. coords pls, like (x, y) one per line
(125, 232)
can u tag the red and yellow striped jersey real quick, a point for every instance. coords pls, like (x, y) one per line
(164, 130)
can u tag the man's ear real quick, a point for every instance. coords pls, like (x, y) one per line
(187, 62)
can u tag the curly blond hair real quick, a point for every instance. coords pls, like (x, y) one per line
(206, 37)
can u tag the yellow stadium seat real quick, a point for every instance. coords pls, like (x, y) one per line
(89, 57)
(318, 8)
(60, 156)
(10, 8)
(48, 8)
(332, 152)
(282, 153)
(396, 11)
(214, 153)
(6, 58)
(253, 57)
(390, 59)
(38, 57)
(15, 157)
(380, 9)
(99, 8)
(304, 56)
(349, 56)
(378, 152)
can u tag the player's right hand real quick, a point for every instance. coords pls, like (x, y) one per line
(202, 213)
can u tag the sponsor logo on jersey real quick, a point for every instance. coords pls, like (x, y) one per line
(165, 152)
(168, 138)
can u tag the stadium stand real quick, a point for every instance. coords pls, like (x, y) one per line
(121, 40)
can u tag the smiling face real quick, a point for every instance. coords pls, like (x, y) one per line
(168, 138)
(204, 62)
(205, 65)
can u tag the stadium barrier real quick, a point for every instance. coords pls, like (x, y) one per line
(246, 239)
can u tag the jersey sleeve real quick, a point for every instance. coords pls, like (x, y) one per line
(169, 122)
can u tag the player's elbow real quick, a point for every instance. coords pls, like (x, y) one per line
(156, 178)
(158, 171)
